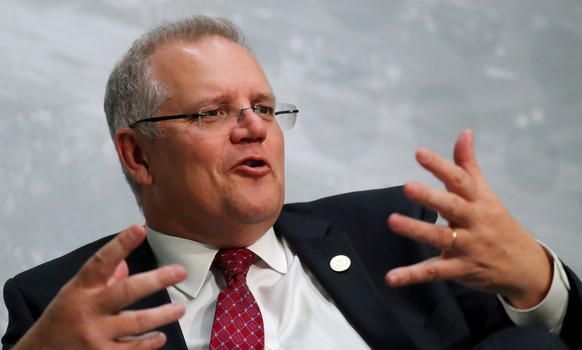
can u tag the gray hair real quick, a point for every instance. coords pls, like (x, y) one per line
(132, 93)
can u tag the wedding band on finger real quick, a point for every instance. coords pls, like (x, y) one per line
(454, 236)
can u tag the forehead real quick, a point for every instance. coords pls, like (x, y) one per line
(209, 67)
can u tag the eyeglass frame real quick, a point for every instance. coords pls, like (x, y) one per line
(199, 115)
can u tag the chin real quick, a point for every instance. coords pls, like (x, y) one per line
(259, 209)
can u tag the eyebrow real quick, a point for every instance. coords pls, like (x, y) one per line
(218, 99)
(269, 96)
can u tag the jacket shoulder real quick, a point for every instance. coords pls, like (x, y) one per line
(52, 275)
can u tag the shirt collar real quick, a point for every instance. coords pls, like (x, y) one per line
(197, 257)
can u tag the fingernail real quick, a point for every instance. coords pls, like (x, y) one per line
(135, 231)
(179, 308)
(179, 271)
(394, 221)
(392, 279)
(183, 272)
(413, 188)
(423, 155)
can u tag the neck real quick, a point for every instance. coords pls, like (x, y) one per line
(218, 235)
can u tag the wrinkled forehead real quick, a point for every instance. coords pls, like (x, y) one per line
(207, 67)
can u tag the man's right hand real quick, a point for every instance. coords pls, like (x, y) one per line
(87, 311)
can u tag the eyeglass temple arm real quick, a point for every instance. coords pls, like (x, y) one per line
(159, 119)
(288, 111)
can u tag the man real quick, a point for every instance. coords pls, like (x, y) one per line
(208, 173)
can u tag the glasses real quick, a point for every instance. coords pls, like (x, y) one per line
(212, 117)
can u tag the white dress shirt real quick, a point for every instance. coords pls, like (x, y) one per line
(297, 312)
(550, 312)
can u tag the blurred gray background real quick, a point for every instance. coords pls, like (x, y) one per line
(374, 80)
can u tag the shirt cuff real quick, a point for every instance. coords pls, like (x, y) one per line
(550, 312)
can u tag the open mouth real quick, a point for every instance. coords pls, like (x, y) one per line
(253, 163)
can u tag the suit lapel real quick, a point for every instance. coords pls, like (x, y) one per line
(353, 291)
(142, 260)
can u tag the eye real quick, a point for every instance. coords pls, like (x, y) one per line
(213, 113)
(264, 111)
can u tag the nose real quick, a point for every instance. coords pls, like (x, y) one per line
(241, 111)
(250, 127)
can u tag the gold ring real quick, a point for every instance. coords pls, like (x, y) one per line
(454, 242)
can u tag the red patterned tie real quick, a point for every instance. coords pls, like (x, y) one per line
(237, 320)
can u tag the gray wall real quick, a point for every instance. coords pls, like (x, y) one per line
(374, 80)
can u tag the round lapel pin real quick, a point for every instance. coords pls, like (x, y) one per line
(340, 263)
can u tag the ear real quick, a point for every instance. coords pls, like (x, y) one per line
(133, 156)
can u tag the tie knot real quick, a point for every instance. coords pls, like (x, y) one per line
(233, 262)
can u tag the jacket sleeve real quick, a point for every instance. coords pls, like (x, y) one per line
(20, 318)
(572, 327)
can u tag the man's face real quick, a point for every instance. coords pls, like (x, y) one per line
(207, 184)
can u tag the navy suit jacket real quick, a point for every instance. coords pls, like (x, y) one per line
(435, 315)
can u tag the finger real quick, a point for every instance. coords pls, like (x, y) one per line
(147, 341)
(428, 270)
(141, 285)
(464, 153)
(121, 272)
(454, 177)
(449, 205)
(438, 236)
(131, 323)
(101, 266)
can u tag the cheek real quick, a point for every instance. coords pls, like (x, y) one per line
(189, 163)
(203, 166)
(277, 148)
(207, 164)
